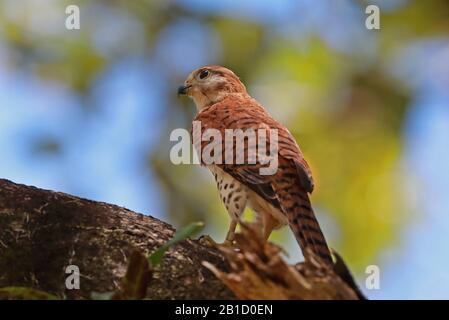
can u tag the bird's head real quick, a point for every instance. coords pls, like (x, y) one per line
(211, 84)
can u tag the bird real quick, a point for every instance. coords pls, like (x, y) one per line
(279, 199)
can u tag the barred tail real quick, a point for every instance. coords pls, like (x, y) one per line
(305, 226)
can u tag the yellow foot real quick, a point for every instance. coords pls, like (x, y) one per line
(207, 241)
(228, 243)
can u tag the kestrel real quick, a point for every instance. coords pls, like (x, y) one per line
(223, 102)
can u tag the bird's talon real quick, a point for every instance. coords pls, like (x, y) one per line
(228, 243)
(207, 241)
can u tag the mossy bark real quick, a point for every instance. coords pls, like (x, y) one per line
(42, 232)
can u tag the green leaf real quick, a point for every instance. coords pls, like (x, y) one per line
(23, 293)
(180, 235)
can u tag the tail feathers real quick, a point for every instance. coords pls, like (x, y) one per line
(304, 224)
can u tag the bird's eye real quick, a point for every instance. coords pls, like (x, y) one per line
(203, 74)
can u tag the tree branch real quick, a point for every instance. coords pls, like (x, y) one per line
(43, 232)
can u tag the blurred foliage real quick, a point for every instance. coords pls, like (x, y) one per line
(342, 104)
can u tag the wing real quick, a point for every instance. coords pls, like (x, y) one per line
(246, 113)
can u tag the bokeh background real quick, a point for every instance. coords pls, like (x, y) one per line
(89, 112)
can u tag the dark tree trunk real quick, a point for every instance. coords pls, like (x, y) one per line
(42, 232)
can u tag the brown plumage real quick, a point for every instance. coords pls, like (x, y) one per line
(277, 199)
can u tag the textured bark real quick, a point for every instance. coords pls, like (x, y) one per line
(42, 232)
(258, 272)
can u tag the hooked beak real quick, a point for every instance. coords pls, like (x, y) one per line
(182, 90)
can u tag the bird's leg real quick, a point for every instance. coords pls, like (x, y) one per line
(231, 233)
(269, 223)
